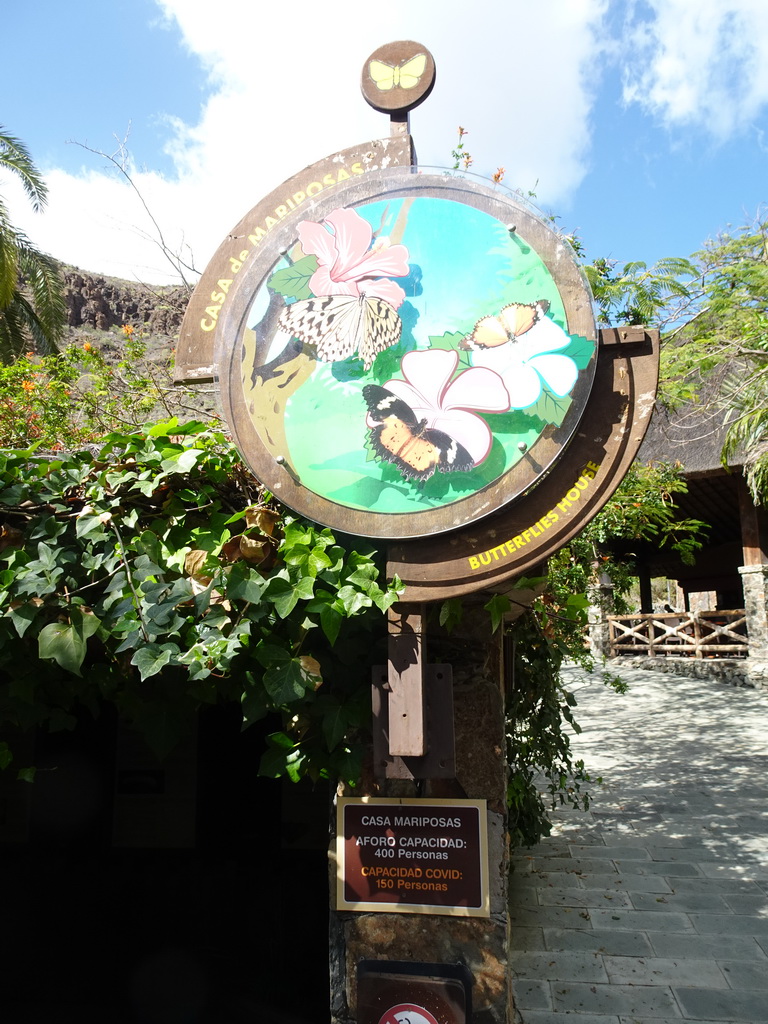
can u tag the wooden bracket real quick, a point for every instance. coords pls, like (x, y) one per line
(406, 680)
(439, 761)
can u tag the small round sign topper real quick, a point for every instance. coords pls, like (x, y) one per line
(398, 76)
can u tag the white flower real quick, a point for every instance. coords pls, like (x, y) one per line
(528, 363)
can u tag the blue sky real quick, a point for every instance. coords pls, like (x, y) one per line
(642, 125)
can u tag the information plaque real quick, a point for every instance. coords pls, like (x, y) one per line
(412, 856)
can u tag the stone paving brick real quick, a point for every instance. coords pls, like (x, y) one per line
(735, 924)
(599, 940)
(561, 879)
(640, 920)
(736, 869)
(685, 854)
(628, 970)
(649, 1020)
(560, 966)
(632, 883)
(572, 864)
(548, 917)
(670, 869)
(543, 1017)
(712, 1004)
(582, 898)
(718, 885)
(525, 939)
(753, 905)
(689, 903)
(532, 995)
(730, 947)
(746, 975)
(614, 852)
(648, 1000)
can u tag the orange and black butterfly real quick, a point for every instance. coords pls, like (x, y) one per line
(398, 437)
(508, 325)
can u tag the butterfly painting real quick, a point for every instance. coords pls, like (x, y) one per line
(508, 325)
(405, 75)
(337, 326)
(398, 437)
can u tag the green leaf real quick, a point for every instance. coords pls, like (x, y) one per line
(245, 584)
(498, 606)
(286, 593)
(330, 621)
(66, 643)
(353, 601)
(26, 774)
(22, 617)
(579, 350)
(287, 682)
(335, 723)
(550, 408)
(183, 462)
(449, 340)
(282, 757)
(150, 659)
(254, 704)
(5, 755)
(451, 612)
(293, 281)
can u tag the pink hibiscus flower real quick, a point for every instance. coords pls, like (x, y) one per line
(347, 264)
(429, 391)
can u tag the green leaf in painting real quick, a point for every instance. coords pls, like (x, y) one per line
(579, 350)
(293, 281)
(450, 340)
(551, 408)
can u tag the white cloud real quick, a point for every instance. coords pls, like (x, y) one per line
(285, 92)
(700, 64)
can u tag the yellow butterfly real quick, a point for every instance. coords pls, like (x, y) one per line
(389, 76)
(514, 320)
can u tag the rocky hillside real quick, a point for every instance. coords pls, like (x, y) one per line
(105, 302)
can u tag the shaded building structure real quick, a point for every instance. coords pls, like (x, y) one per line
(730, 571)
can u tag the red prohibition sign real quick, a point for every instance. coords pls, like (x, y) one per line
(408, 1013)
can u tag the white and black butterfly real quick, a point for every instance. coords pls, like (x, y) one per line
(398, 437)
(340, 325)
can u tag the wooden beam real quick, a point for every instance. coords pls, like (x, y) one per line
(407, 736)
(752, 527)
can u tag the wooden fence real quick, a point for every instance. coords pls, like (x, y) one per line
(721, 634)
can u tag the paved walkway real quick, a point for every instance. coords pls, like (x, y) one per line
(652, 907)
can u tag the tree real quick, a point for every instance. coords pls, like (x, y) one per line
(32, 307)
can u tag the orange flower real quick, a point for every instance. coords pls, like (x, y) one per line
(87, 347)
(127, 330)
(28, 385)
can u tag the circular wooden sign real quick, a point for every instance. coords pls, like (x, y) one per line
(411, 352)
(398, 76)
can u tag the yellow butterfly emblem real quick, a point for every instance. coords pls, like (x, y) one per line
(389, 76)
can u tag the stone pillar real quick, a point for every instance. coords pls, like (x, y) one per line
(480, 943)
(754, 580)
(601, 605)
